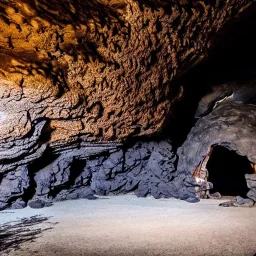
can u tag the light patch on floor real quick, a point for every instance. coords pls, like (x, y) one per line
(127, 225)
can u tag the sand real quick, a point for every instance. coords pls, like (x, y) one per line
(127, 225)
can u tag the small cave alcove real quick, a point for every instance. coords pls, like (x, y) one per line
(227, 171)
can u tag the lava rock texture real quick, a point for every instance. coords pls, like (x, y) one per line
(78, 77)
(251, 183)
(101, 70)
(232, 125)
(143, 168)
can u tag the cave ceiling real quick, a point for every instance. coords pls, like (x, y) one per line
(112, 97)
(100, 70)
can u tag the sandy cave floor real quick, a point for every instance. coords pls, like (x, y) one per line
(127, 225)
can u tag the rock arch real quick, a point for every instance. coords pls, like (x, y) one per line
(232, 125)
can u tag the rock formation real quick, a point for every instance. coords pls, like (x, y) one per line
(232, 125)
(80, 78)
(101, 70)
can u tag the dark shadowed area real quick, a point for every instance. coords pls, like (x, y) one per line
(227, 172)
(14, 233)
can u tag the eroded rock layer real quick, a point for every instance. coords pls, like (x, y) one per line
(144, 168)
(100, 69)
(79, 78)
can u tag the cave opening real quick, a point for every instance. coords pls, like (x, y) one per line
(227, 172)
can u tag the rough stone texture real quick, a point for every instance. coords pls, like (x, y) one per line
(232, 125)
(100, 69)
(26, 177)
(143, 168)
(239, 202)
(244, 202)
(15, 153)
(251, 183)
(13, 185)
(237, 91)
(77, 73)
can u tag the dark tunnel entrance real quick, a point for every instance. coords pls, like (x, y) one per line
(227, 172)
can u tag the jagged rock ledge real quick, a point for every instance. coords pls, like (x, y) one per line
(143, 168)
(103, 71)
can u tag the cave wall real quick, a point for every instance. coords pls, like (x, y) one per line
(144, 168)
(232, 125)
(79, 79)
(102, 70)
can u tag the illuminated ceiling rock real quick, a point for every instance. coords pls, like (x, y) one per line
(100, 70)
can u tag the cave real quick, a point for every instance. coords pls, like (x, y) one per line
(131, 111)
(227, 171)
(106, 99)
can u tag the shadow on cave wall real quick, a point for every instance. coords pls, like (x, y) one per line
(231, 61)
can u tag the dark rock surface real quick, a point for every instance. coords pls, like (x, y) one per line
(251, 183)
(75, 87)
(145, 168)
(31, 169)
(106, 70)
(230, 124)
(239, 202)
(244, 202)
(37, 204)
(242, 92)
